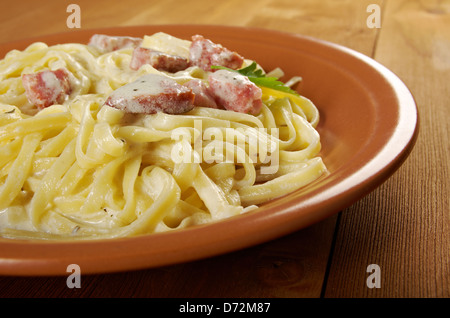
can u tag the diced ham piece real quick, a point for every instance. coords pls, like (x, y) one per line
(108, 43)
(204, 53)
(235, 92)
(203, 97)
(159, 60)
(47, 88)
(152, 93)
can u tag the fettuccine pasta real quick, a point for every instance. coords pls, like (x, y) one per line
(82, 169)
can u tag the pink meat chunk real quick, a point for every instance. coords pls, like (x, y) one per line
(150, 94)
(235, 92)
(203, 97)
(47, 88)
(159, 60)
(108, 43)
(204, 53)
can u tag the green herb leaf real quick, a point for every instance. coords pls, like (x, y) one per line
(259, 78)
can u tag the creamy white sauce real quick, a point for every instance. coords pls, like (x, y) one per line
(52, 84)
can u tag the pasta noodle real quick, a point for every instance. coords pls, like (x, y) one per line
(80, 169)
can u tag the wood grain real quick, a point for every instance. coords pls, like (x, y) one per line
(404, 225)
(342, 22)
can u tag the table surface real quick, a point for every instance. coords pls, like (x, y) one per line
(402, 226)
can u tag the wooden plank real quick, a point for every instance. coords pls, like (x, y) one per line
(404, 225)
(342, 22)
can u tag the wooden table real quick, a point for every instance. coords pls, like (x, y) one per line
(402, 226)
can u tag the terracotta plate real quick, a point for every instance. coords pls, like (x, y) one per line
(368, 127)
